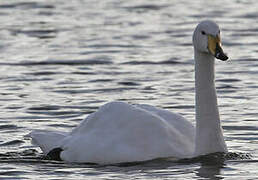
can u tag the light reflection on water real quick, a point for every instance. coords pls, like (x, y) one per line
(60, 61)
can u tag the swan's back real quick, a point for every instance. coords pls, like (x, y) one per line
(119, 132)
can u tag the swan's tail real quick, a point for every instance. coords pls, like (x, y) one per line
(47, 140)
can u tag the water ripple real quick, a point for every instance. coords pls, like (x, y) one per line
(59, 62)
(168, 62)
(12, 143)
(8, 127)
(26, 5)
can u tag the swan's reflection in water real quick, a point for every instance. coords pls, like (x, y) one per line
(210, 171)
(209, 166)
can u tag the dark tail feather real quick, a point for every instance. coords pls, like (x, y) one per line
(54, 154)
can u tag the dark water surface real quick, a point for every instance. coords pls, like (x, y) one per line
(61, 60)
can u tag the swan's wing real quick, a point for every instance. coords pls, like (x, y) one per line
(119, 132)
(47, 140)
(178, 121)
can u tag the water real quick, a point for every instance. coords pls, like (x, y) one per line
(61, 60)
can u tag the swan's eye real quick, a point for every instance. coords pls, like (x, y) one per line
(203, 33)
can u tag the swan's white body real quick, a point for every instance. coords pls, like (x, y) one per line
(120, 132)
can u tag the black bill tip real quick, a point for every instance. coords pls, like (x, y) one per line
(219, 54)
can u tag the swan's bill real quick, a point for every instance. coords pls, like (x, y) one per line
(214, 46)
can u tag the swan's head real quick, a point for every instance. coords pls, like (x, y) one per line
(206, 39)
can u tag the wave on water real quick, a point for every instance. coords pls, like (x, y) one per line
(33, 156)
(60, 62)
(100, 61)
(166, 62)
(26, 5)
(217, 158)
(145, 7)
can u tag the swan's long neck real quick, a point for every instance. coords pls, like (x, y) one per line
(209, 135)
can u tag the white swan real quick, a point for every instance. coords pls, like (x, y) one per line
(119, 132)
